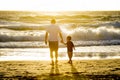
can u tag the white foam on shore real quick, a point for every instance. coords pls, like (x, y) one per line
(81, 53)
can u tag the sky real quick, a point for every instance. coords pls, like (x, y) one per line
(59, 5)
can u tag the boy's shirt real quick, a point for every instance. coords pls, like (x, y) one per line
(70, 46)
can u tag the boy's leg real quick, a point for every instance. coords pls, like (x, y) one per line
(70, 57)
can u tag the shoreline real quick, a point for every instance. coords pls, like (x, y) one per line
(80, 69)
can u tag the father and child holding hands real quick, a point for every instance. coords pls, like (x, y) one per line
(51, 37)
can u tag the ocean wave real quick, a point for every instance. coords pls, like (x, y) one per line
(100, 33)
(28, 26)
(16, 25)
(23, 27)
(41, 44)
(28, 44)
(6, 38)
(13, 35)
(94, 24)
(115, 24)
(77, 34)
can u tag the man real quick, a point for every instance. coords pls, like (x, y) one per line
(51, 36)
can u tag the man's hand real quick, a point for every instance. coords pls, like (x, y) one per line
(46, 42)
(62, 41)
(46, 38)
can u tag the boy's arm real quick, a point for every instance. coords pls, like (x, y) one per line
(46, 38)
(73, 46)
(64, 43)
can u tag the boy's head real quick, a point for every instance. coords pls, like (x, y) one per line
(68, 38)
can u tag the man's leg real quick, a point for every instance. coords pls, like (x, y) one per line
(51, 51)
(51, 56)
(56, 56)
(56, 51)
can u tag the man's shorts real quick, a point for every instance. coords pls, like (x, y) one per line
(53, 45)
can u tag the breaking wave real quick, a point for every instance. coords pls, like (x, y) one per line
(100, 33)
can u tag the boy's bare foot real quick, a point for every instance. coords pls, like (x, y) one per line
(68, 61)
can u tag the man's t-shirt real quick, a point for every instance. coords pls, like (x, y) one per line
(53, 31)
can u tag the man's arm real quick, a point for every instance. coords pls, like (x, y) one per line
(46, 38)
(61, 36)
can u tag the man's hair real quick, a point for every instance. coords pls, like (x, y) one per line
(53, 21)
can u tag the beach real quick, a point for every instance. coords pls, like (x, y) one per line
(24, 55)
(104, 69)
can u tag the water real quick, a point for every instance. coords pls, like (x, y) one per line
(81, 53)
(96, 34)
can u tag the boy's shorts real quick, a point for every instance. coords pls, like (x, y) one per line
(69, 50)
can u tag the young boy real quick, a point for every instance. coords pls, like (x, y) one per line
(70, 47)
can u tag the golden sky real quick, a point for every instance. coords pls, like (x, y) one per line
(60, 5)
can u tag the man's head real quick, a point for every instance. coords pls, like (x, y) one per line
(53, 21)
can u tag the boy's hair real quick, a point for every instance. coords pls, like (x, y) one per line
(69, 37)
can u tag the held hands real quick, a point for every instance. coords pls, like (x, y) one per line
(62, 41)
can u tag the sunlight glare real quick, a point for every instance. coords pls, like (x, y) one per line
(59, 5)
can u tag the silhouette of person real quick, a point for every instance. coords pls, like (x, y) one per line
(70, 47)
(51, 37)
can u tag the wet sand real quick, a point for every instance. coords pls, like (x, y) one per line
(43, 70)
